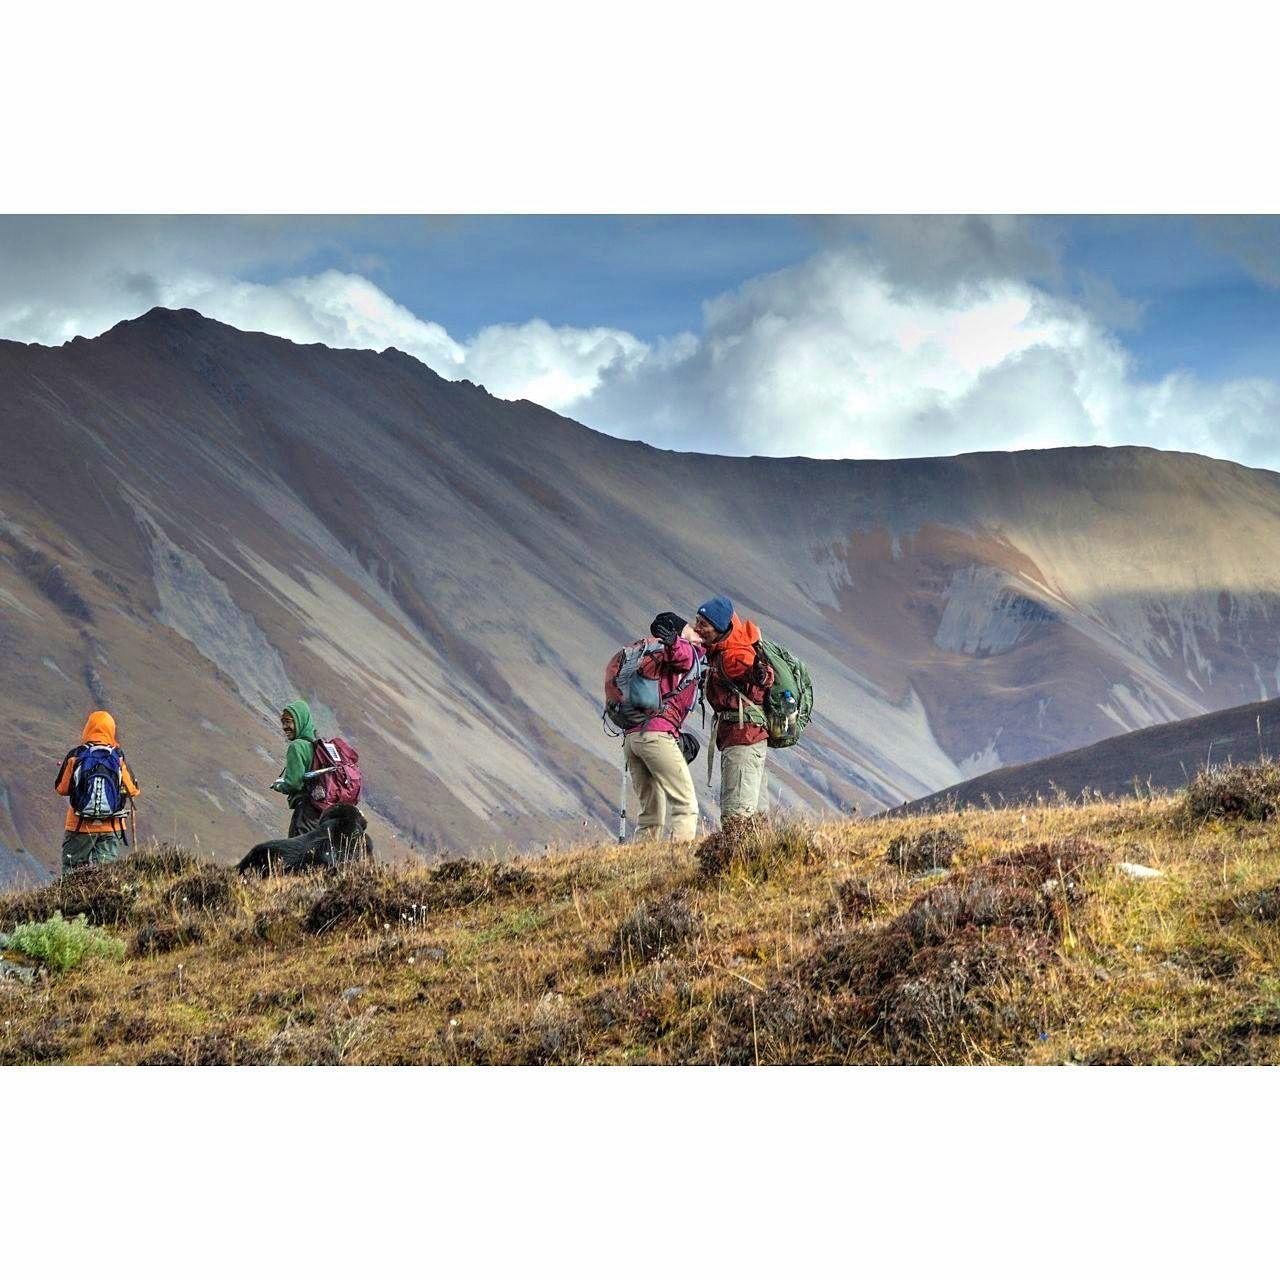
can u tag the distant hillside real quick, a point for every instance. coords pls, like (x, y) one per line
(1164, 757)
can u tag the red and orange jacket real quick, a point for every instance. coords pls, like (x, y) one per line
(100, 729)
(732, 670)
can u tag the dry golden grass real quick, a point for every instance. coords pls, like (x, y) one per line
(811, 946)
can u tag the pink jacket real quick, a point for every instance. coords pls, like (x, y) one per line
(668, 668)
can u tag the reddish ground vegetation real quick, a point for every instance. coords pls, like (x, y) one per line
(104, 895)
(213, 890)
(654, 929)
(1241, 792)
(756, 847)
(855, 900)
(933, 974)
(933, 849)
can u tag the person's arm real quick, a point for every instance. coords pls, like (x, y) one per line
(297, 761)
(675, 659)
(126, 779)
(681, 656)
(63, 784)
(749, 674)
(736, 663)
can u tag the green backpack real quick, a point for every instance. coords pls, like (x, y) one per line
(788, 704)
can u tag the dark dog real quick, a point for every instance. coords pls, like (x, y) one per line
(342, 836)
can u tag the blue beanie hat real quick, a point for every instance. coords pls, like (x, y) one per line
(718, 611)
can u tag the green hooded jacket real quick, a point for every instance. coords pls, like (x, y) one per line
(297, 758)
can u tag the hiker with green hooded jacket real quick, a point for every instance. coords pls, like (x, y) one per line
(293, 784)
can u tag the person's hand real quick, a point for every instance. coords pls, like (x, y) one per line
(667, 627)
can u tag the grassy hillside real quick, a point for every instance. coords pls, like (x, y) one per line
(833, 943)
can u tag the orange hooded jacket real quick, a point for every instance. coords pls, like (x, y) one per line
(736, 651)
(732, 661)
(99, 728)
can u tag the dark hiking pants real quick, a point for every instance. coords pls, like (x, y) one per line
(88, 849)
(305, 817)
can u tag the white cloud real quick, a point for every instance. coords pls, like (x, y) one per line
(835, 357)
(557, 367)
(1253, 241)
(66, 277)
(911, 337)
(333, 307)
(934, 254)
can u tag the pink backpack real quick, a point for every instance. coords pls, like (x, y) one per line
(341, 784)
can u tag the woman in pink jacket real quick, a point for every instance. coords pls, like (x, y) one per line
(655, 759)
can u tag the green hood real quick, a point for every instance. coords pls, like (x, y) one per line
(297, 759)
(301, 714)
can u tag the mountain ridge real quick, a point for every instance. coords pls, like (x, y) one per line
(1162, 757)
(239, 517)
(160, 317)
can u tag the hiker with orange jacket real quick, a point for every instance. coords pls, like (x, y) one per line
(738, 678)
(98, 785)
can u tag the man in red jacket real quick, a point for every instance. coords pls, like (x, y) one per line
(737, 681)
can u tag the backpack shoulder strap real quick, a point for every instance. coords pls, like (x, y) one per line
(692, 676)
(733, 684)
(66, 760)
(748, 712)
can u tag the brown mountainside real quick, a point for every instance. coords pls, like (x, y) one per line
(196, 523)
(1164, 758)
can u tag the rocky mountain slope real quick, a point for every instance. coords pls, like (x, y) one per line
(196, 523)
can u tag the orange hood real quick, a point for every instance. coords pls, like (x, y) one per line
(737, 649)
(100, 727)
(741, 632)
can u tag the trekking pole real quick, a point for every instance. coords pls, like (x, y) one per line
(133, 822)
(622, 803)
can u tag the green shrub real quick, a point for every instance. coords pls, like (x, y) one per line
(62, 944)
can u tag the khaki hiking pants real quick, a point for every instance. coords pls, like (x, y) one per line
(663, 784)
(742, 780)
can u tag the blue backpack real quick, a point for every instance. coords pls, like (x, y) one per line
(96, 792)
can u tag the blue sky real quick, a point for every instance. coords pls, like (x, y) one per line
(842, 337)
(648, 275)
(1203, 309)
